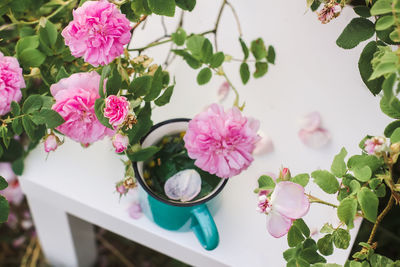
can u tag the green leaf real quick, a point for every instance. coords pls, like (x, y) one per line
(359, 161)
(391, 127)
(141, 85)
(17, 126)
(381, 7)
(388, 109)
(290, 253)
(206, 51)
(204, 76)
(341, 238)
(271, 54)
(326, 181)
(29, 127)
(311, 256)
(143, 125)
(165, 97)
(395, 136)
(325, 245)
(368, 203)
(32, 57)
(384, 22)
(186, 4)
(338, 167)
(355, 187)
(363, 173)
(99, 111)
(245, 49)
(104, 74)
(258, 49)
(244, 72)
(301, 179)
(3, 183)
(18, 166)
(261, 69)
(294, 236)
(25, 43)
(51, 118)
(143, 154)
(114, 83)
(327, 229)
(4, 209)
(217, 59)
(48, 34)
(195, 43)
(179, 37)
(162, 7)
(362, 11)
(15, 109)
(347, 211)
(32, 103)
(265, 182)
(365, 68)
(302, 226)
(358, 30)
(62, 73)
(382, 69)
(190, 60)
(156, 85)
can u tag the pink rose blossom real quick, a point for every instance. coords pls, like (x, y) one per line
(98, 32)
(51, 143)
(221, 142)
(286, 204)
(75, 97)
(13, 192)
(120, 142)
(375, 144)
(11, 82)
(116, 109)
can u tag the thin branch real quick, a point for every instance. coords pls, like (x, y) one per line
(236, 18)
(164, 26)
(380, 218)
(221, 9)
(320, 201)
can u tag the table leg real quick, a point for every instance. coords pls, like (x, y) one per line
(65, 240)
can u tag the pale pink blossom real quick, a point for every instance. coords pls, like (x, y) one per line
(264, 145)
(375, 144)
(315, 139)
(51, 143)
(221, 142)
(223, 91)
(286, 204)
(120, 142)
(311, 121)
(11, 82)
(135, 211)
(329, 12)
(13, 192)
(75, 97)
(116, 109)
(97, 33)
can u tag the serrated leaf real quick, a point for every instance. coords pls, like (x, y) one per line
(51, 118)
(141, 85)
(204, 76)
(338, 167)
(301, 179)
(347, 211)
(48, 34)
(15, 109)
(358, 30)
(162, 7)
(326, 181)
(244, 72)
(29, 127)
(165, 97)
(32, 57)
(32, 103)
(17, 126)
(368, 203)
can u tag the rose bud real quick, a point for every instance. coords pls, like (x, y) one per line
(120, 142)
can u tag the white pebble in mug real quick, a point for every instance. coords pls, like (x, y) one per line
(184, 185)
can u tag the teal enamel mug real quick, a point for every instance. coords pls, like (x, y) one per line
(171, 214)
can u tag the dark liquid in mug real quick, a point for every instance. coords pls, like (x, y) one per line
(171, 159)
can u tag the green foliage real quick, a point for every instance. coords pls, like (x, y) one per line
(143, 154)
(165, 97)
(244, 72)
(381, 7)
(3, 183)
(326, 181)
(179, 37)
(4, 209)
(325, 245)
(141, 85)
(358, 30)
(163, 7)
(341, 238)
(369, 203)
(204, 76)
(347, 211)
(265, 182)
(365, 68)
(186, 4)
(301, 179)
(338, 167)
(245, 49)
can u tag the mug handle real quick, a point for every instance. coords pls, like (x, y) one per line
(204, 227)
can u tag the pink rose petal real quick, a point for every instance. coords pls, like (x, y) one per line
(223, 91)
(263, 146)
(277, 224)
(311, 121)
(315, 139)
(289, 200)
(135, 211)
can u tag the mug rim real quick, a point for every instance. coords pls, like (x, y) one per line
(145, 187)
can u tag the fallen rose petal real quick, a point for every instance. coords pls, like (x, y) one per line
(263, 146)
(277, 224)
(223, 91)
(315, 139)
(135, 211)
(311, 121)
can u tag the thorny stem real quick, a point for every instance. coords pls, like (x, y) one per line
(58, 10)
(380, 218)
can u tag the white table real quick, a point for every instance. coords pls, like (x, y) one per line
(74, 188)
